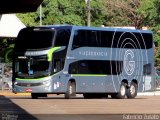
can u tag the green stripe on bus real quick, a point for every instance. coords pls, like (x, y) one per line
(31, 78)
(36, 78)
(82, 75)
(51, 51)
(94, 75)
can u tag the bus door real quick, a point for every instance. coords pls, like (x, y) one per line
(147, 78)
(59, 77)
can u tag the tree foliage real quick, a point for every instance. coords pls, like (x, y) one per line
(137, 13)
(71, 12)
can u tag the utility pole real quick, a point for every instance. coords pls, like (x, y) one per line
(88, 12)
(40, 15)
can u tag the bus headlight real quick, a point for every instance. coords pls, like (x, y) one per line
(48, 88)
(15, 83)
(46, 83)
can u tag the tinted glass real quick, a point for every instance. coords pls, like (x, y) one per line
(111, 39)
(62, 37)
(147, 69)
(96, 67)
(32, 67)
(131, 40)
(34, 39)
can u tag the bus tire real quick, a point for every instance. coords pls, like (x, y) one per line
(132, 91)
(34, 95)
(95, 95)
(113, 95)
(122, 92)
(71, 90)
(86, 96)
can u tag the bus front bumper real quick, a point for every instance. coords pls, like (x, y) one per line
(44, 87)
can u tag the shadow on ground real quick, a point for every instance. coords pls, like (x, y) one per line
(11, 111)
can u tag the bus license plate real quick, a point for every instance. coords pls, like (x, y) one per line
(29, 90)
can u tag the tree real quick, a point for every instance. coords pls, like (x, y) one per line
(137, 13)
(97, 13)
(6, 45)
(121, 12)
(71, 12)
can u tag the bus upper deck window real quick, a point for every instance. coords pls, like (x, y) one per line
(62, 38)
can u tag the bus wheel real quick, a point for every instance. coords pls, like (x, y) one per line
(71, 90)
(94, 95)
(113, 95)
(122, 92)
(87, 96)
(34, 95)
(132, 91)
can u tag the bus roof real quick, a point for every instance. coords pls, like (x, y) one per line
(95, 28)
(113, 29)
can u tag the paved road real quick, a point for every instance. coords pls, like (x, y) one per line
(58, 108)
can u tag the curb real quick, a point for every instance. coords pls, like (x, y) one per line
(13, 94)
(7, 93)
(156, 93)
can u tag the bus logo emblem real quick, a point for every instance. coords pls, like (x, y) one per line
(129, 64)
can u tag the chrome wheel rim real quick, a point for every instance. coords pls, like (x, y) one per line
(132, 90)
(70, 89)
(123, 90)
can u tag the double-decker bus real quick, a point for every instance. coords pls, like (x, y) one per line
(92, 61)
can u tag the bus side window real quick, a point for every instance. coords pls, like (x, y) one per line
(73, 68)
(58, 65)
(85, 38)
(62, 38)
(76, 40)
(147, 68)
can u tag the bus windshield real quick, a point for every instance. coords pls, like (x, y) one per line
(30, 39)
(32, 67)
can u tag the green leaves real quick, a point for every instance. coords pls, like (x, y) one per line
(71, 12)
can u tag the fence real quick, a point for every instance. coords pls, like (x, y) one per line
(5, 76)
